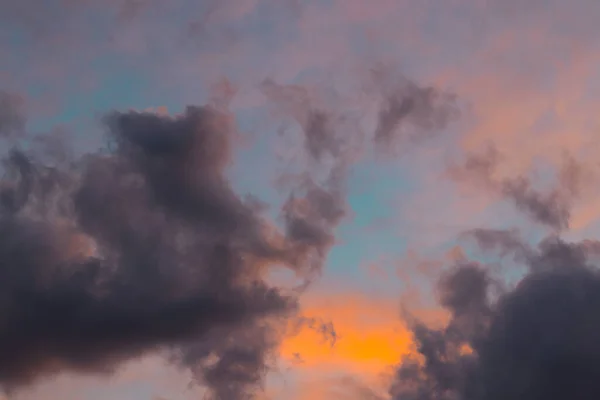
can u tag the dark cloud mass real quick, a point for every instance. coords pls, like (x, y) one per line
(538, 340)
(139, 248)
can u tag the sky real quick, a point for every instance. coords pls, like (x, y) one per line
(299, 199)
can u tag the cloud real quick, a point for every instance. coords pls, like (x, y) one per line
(334, 140)
(552, 208)
(144, 246)
(173, 258)
(530, 77)
(426, 108)
(318, 119)
(12, 114)
(335, 124)
(534, 340)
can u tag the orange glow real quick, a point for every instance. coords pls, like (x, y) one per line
(465, 349)
(370, 333)
(371, 340)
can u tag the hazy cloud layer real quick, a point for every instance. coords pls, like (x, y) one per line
(12, 114)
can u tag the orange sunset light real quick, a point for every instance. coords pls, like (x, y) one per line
(371, 335)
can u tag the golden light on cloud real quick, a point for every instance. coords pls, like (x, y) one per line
(465, 349)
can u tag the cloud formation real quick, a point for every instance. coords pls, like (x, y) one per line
(143, 246)
(535, 340)
(529, 76)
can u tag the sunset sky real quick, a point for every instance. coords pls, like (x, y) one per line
(348, 155)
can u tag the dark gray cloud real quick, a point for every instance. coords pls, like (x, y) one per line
(141, 247)
(537, 340)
